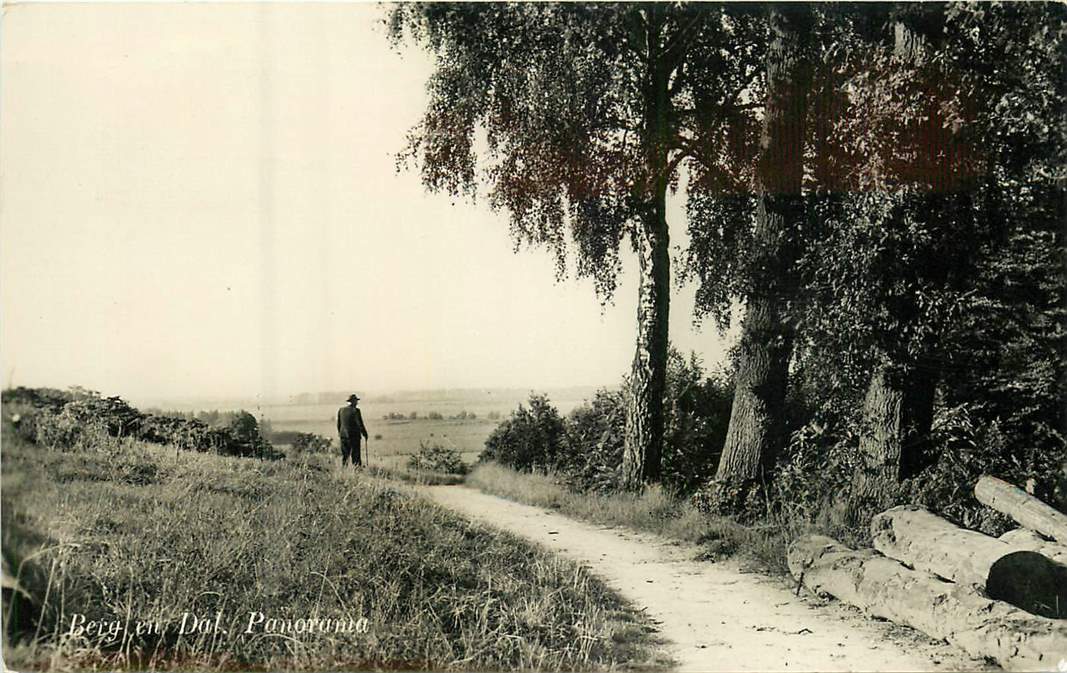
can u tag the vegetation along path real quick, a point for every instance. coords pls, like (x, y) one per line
(717, 617)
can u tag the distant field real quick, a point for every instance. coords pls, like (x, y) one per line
(400, 439)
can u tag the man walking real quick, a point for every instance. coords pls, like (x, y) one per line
(350, 427)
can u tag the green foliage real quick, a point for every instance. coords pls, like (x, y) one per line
(588, 443)
(435, 457)
(697, 408)
(246, 438)
(309, 442)
(592, 460)
(80, 419)
(531, 438)
(144, 534)
(562, 91)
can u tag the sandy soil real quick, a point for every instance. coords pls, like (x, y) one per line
(715, 616)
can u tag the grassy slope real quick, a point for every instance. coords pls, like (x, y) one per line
(655, 511)
(137, 532)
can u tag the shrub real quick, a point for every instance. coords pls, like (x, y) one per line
(190, 435)
(66, 431)
(308, 442)
(245, 438)
(437, 458)
(696, 416)
(970, 448)
(594, 441)
(435, 416)
(531, 438)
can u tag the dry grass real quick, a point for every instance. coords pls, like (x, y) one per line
(762, 544)
(130, 533)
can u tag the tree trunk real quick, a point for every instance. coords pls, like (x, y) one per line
(898, 412)
(958, 613)
(1027, 510)
(924, 541)
(757, 416)
(642, 448)
(898, 409)
(643, 439)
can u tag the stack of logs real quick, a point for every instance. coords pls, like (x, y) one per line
(1001, 598)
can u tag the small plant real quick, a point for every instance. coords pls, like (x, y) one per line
(437, 458)
(308, 442)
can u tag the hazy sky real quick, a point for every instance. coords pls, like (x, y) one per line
(201, 200)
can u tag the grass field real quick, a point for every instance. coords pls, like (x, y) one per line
(401, 438)
(121, 546)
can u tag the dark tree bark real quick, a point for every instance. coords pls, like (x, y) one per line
(757, 418)
(898, 411)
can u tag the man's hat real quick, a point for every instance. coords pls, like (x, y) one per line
(353, 398)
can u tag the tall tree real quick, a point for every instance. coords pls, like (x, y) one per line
(756, 420)
(589, 112)
(910, 269)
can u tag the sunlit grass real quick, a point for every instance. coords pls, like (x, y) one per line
(761, 544)
(132, 533)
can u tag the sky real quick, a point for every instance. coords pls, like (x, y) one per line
(202, 201)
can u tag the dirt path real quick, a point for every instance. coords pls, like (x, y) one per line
(716, 617)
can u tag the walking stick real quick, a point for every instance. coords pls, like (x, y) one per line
(367, 442)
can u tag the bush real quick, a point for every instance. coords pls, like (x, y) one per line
(65, 430)
(594, 441)
(246, 440)
(308, 442)
(437, 458)
(970, 448)
(586, 448)
(531, 438)
(190, 435)
(696, 416)
(435, 416)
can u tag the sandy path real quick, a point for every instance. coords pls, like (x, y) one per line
(716, 617)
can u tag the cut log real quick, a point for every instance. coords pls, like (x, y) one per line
(958, 613)
(1023, 507)
(1027, 540)
(925, 541)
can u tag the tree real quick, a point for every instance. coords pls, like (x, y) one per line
(590, 111)
(919, 264)
(756, 419)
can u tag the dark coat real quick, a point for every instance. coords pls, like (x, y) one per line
(350, 423)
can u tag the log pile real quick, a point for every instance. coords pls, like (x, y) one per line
(1002, 598)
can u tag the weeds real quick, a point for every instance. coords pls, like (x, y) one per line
(144, 537)
(762, 543)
